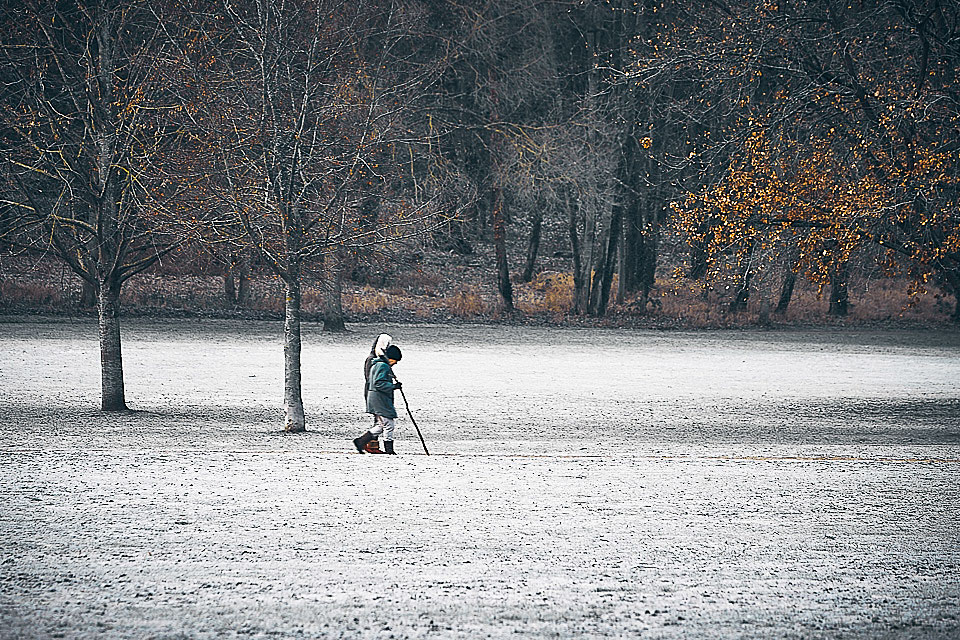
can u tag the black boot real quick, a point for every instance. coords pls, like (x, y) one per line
(361, 442)
(388, 447)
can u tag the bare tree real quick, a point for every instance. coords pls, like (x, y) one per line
(308, 106)
(82, 108)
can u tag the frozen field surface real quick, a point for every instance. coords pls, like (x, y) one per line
(582, 484)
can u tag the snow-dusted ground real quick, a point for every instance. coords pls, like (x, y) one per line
(582, 483)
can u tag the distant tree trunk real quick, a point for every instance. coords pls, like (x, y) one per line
(236, 286)
(839, 296)
(243, 280)
(596, 268)
(627, 29)
(641, 227)
(111, 362)
(650, 252)
(622, 261)
(500, 246)
(952, 277)
(229, 287)
(88, 295)
(631, 251)
(786, 291)
(581, 271)
(742, 296)
(606, 267)
(333, 289)
(533, 246)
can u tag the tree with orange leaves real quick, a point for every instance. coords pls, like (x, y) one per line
(838, 130)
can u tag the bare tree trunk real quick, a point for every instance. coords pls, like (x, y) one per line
(588, 249)
(605, 269)
(292, 398)
(533, 246)
(600, 259)
(641, 237)
(500, 245)
(236, 280)
(631, 250)
(622, 260)
(333, 289)
(88, 295)
(242, 270)
(630, 244)
(295, 421)
(229, 287)
(839, 296)
(739, 302)
(952, 277)
(786, 291)
(581, 272)
(650, 245)
(111, 363)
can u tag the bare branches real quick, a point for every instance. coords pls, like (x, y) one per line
(81, 111)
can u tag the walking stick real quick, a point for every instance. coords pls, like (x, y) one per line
(404, 396)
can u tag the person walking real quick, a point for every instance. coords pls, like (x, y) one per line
(376, 350)
(379, 395)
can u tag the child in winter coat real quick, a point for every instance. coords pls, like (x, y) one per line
(380, 387)
(376, 350)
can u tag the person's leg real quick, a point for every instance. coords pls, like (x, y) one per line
(389, 425)
(367, 443)
(376, 430)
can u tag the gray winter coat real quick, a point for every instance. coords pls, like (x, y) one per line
(381, 387)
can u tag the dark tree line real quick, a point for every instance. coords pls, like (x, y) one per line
(796, 138)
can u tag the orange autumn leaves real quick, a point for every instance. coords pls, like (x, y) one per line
(826, 201)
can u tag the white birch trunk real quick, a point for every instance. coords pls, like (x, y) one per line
(295, 421)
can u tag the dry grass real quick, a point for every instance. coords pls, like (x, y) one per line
(873, 301)
(446, 294)
(549, 292)
(368, 301)
(31, 293)
(464, 303)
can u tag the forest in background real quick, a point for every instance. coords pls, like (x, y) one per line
(714, 151)
(700, 163)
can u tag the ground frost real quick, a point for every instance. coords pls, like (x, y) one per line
(583, 484)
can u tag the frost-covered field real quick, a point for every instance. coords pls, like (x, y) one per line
(582, 484)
